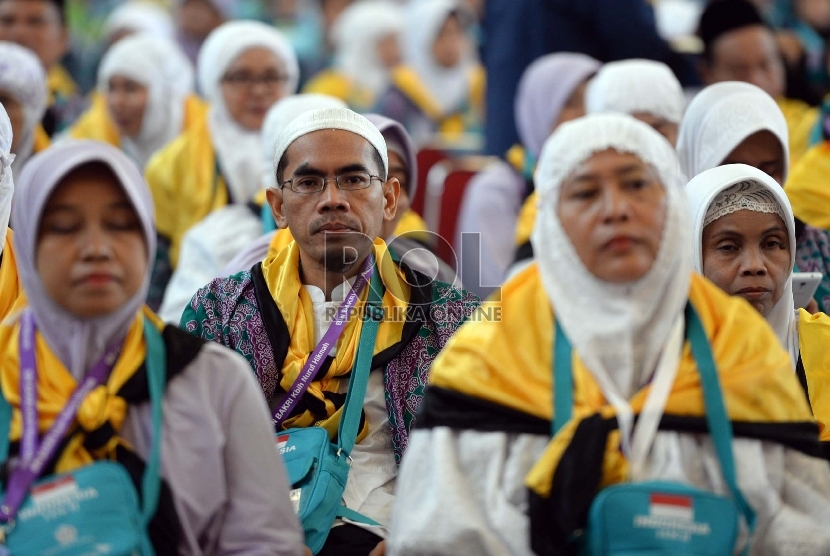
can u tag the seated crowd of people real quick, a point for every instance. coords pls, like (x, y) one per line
(226, 326)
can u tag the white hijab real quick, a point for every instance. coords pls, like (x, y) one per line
(79, 343)
(238, 149)
(23, 77)
(161, 66)
(619, 330)
(719, 118)
(630, 86)
(702, 190)
(356, 34)
(6, 175)
(279, 116)
(449, 86)
(140, 16)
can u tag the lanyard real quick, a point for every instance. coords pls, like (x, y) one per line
(34, 457)
(717, 418)
(318, 355)
(635, 441)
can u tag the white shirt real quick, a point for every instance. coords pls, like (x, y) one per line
(370, 487)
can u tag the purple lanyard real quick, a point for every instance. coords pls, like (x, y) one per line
(318, 356)
(33, 458)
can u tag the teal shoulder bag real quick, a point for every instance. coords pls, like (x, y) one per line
(93, 509)
(319, 468)
(662, 517)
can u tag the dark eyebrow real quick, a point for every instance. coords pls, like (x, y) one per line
(628, 169)
(122, 205)
(50, 208)
(590, 177)
(776, 228)
(728, 233)
(305, 169)
(68, 207)
(352, 168)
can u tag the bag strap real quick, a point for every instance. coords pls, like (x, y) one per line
(156, 365)
(5, 427)
(351, 515)
(717, 419)
(359, 379)
(563, 384)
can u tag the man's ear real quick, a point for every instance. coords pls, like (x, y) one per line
(391, 193)
(274, 198)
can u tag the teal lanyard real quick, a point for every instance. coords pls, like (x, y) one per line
(717, 419)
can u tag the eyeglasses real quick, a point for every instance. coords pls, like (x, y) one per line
(351, 181)
(247, 81)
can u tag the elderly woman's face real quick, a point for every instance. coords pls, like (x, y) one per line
(747, 254)
(613, 208)
(91, 253)
(251, 84)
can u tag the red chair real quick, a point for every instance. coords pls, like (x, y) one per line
(447, 182)
(427, 158)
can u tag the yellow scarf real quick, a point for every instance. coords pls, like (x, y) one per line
(508, 362)
(96, 123)
(56, 385)
(801, 118)
(807, 187)
(11, 291)
(184, 183)
(527, 219)
(813, 339)
(60, 83)
(333, 83)
(283, 278)
(449, 125)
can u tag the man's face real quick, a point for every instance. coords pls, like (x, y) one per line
(333, 226)
(747, 54)
(37, 25)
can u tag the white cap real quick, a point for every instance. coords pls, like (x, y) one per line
(331, 118)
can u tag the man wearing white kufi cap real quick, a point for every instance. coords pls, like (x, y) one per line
(333, 194)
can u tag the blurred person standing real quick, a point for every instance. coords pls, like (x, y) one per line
(606, 30)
